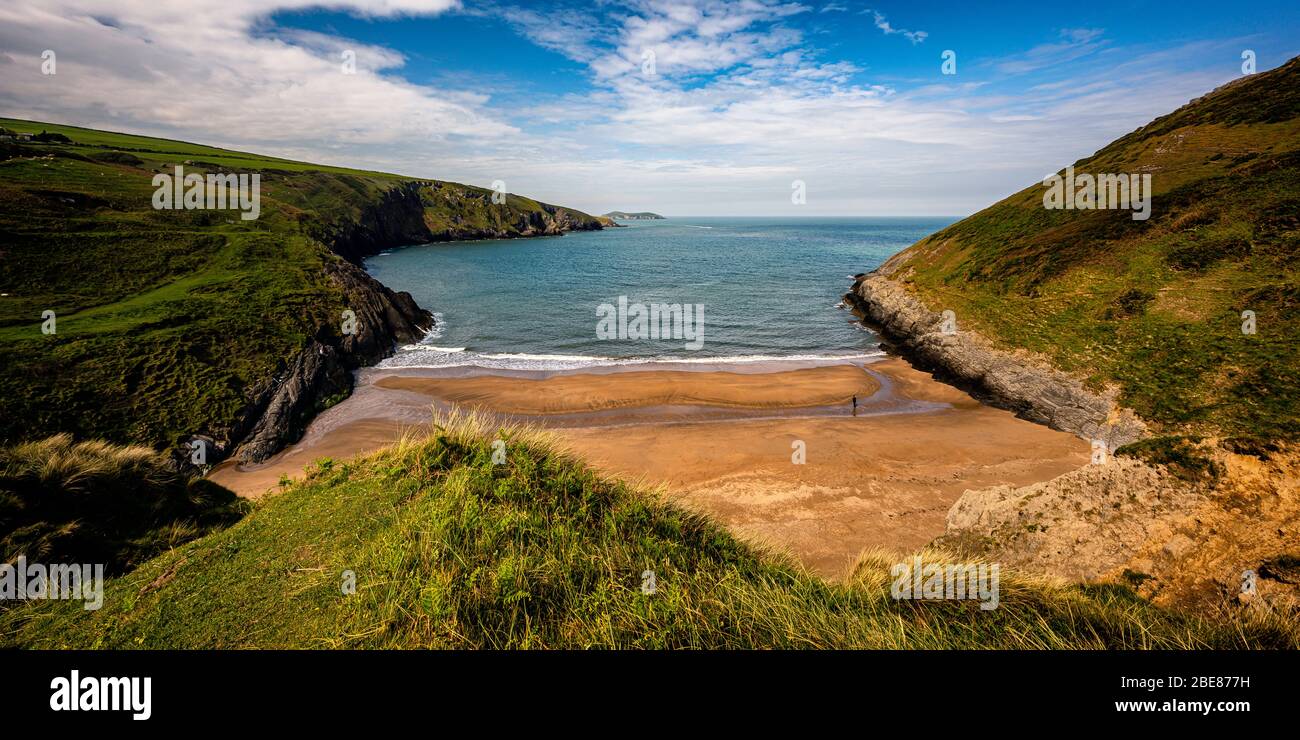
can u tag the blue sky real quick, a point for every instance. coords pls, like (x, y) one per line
(557, 100)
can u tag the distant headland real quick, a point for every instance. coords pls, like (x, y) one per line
(625, 216)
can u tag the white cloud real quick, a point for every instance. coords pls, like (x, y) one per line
(739, 106)
(771, 112)
(883, 24)
(1074, 44)
(214, 72)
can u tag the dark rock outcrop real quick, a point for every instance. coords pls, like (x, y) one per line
(396, 219)
(1014, 381)
(401, 217)
(322, 371)
(383, 317)
(316, 373)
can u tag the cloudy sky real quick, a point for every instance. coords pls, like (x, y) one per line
(697, 107)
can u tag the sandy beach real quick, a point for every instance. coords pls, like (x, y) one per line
(725, 441)
(579, 392)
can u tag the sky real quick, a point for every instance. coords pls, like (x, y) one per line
(690, 108)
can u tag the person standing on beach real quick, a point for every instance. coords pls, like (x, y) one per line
(855, 404)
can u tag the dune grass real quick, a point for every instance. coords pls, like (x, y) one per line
(94, 502)
(449, 550)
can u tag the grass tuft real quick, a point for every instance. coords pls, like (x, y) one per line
(95, 502)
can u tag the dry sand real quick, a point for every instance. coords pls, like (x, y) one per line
(723, 442)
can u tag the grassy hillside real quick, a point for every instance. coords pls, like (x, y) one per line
(1154, 307)
(450, 550)
(92, 502)
(167, 320)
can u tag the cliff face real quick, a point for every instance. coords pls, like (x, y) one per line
(1021, 302)
(418, 212)
(396, 218)
(1179, 539)
(1015, 381)
(1176, 541)
(408, 212)
(321, 371)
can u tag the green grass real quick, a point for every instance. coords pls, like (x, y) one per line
(151, 148)
(169, 321)
(451, 551)
(1154, 308)
(93, 502)
(1182, 456)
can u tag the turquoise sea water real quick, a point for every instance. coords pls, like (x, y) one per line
(768, 287)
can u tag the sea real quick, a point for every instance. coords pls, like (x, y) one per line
(759, 290)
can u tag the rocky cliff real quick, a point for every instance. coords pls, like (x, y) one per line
(1190, 314)
(410, 212)
(1138, 332)
(1178, 538)
(422, 211)
(321, 372)
(1013, 380)
(1191, 542)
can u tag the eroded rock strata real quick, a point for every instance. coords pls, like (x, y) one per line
(1011, 380)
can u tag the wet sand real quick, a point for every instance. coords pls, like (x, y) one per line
(566, 394)
(724, 441)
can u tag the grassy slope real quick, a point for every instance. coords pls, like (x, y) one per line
(1154, 307)
(94, 502)
(166, 318)
(450, 550)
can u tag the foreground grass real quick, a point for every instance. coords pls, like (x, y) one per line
(94, 502)
(451, 551)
